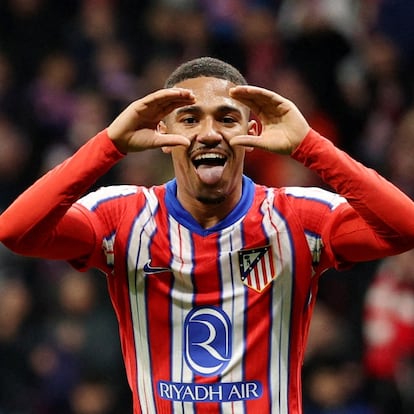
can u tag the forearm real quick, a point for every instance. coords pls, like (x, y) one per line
(33, 217)
(388, 211)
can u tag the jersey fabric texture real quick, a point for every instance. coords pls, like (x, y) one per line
(211, 320)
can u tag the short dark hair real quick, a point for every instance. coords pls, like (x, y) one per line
(205, 66)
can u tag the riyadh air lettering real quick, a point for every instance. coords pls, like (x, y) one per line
(218, 392)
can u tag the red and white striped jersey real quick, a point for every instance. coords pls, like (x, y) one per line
(212, 321)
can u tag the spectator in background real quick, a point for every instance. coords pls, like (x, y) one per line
(394, 18)
(224, 22)
(29, 31)
(15, 152)
(93, 395)
(330, 334)
(400, 162)
(113, 70)
(95, 25)
(76, 342)
(388, 94)
(262, 45)
(341, 15)
(194, 40)
(9, 90)
(389, 334)
(163, 34)
(18, 387)
(316, 47)
(154, 71)
(91, 110)
(334, 384)
(333, 373)
(51, 96)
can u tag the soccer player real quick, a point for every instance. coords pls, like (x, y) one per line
(213, 278)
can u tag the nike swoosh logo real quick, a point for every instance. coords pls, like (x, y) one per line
(154, 269)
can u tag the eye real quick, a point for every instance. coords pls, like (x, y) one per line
(228, 120)
(189, 120)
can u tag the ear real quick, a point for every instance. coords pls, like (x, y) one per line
(253, 129)
(162, 129)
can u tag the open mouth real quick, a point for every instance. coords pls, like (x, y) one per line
(210, 167)
(209, 160)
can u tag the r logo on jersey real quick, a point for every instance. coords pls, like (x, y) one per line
(256, 267)
(207, 340)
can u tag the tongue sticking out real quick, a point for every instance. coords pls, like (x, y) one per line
(210, 174)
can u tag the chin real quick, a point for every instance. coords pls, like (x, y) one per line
(212, 200)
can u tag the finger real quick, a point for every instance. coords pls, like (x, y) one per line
(257, 99)
(275, 145)
(255, 93)
(170, 107)
(164, 102)
(171, 140)
(165, 97)
(170, 93)
(247, 141)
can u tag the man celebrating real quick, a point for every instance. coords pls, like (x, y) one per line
(213, 278)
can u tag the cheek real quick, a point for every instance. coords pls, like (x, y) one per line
(239, 156)
(181, 163)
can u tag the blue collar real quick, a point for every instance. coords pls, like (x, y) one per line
(186, 219)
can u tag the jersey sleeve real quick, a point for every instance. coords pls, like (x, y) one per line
(105, 210)
(376, 221)
(43, 221)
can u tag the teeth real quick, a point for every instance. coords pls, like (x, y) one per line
(209, 156)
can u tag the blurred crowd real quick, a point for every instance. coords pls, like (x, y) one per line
(68, 67)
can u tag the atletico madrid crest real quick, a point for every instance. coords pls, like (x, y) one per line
(256, 267)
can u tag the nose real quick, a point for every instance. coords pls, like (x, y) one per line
(209, 134)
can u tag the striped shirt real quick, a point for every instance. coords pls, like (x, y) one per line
(213, 320)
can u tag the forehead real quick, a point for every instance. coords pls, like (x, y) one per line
(211, 92)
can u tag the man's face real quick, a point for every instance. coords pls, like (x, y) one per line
(210, 170)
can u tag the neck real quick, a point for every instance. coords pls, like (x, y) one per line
(209, 212)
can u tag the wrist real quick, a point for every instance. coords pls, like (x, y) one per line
(116, 143)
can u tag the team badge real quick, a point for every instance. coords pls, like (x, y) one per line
(256, 267)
